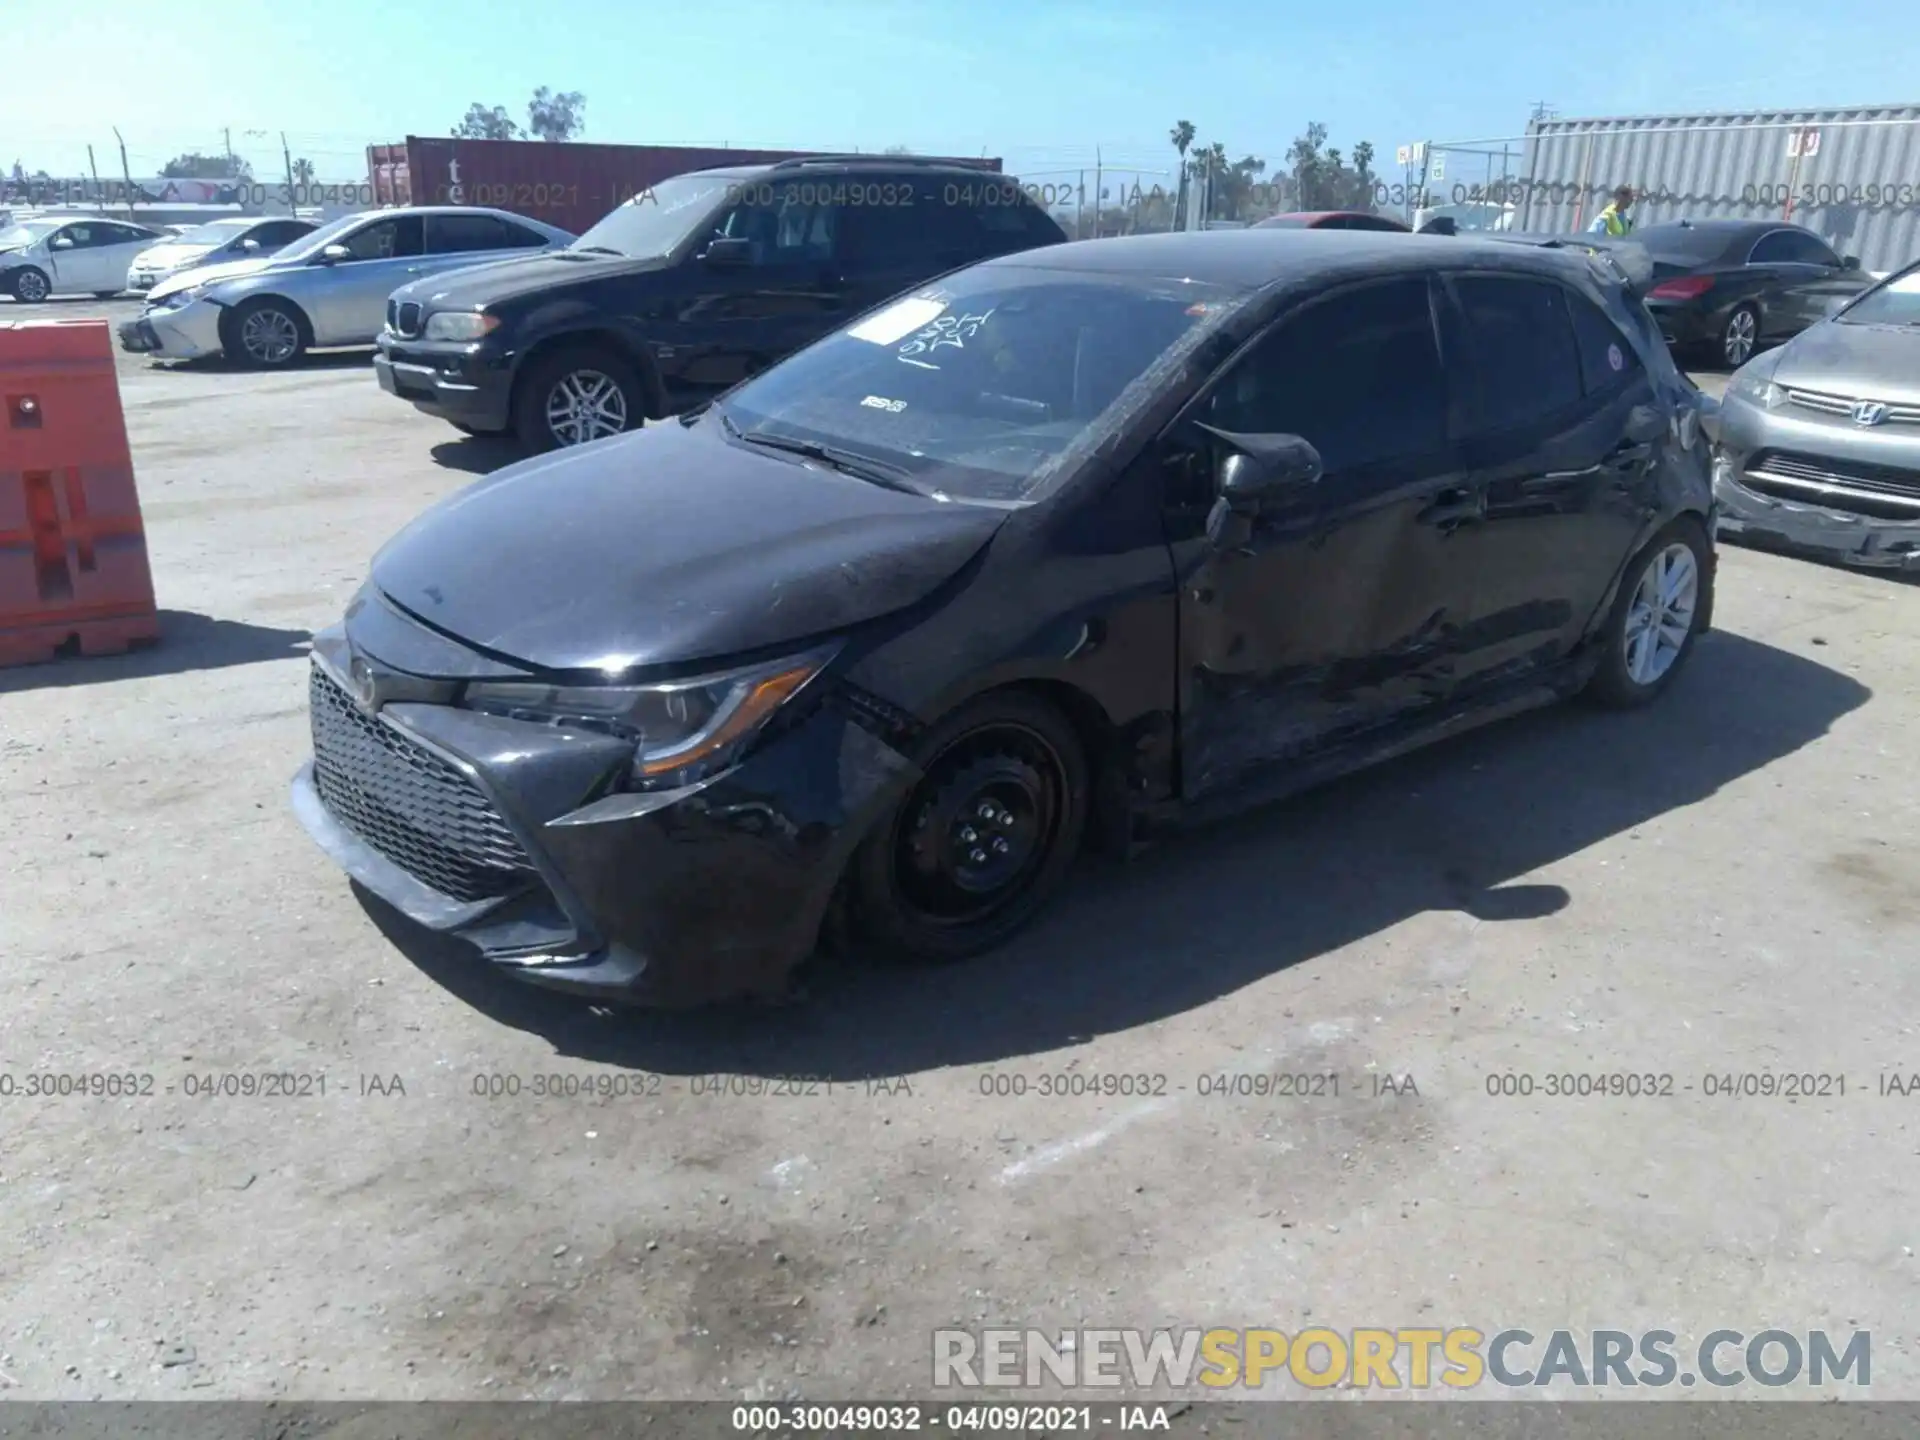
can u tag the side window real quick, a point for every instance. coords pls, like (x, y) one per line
(1791, 247)
(518, 237)
(1524, 349)
(1357, 374)
(276, 233)
(392, 239)
(1607, 360)
(914, 228)
(84, 237)
(457, 234)
(793, 229)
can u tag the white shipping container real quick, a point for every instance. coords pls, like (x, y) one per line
(1852, 176)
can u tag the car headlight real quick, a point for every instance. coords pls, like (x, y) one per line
(1757, 386)
(682, 729)
(178, 298)
(459, 325)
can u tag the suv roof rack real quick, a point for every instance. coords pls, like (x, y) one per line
(929, 161)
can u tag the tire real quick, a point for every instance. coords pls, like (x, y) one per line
(265, 334)
(30, 285)
(1006, 770)
(1739, 337)
(597, 384)
(1627, 678)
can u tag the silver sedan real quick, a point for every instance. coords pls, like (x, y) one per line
(326, 290)
(1819, 440)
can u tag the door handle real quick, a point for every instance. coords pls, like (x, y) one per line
(1456, 506)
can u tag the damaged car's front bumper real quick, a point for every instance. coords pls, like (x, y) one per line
(175, 332)
(1802, 479)
(521, 839)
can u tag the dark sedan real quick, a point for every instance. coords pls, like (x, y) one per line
(1055, 550)
(1331, 220)
(1725, 286)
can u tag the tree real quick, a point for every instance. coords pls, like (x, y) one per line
(303, 171)
(195, 166)
(483, 123)
(1325, 180)
(1230, 186)
(556, 117)
(1181, 137)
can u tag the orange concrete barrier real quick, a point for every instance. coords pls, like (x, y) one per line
(73, 551)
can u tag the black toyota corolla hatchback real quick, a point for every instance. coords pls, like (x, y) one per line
(1058, 548)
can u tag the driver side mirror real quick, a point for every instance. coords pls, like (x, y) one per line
(1850, 262)
(728, 251)
(250, 246)
(1257, 471)
(333, 255)
(60, 243)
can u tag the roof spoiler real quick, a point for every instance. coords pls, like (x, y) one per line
(1624, 261)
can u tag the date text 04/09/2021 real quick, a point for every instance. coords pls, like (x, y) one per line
(981, 1417)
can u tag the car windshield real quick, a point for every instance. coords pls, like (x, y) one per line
(1895, 303)
(214, 232)
(661, 216)
(979, 387)
(26, 233)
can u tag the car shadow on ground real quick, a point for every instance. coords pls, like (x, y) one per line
(225, 365)
(188, 641)
(477, 454)
(1455, 828)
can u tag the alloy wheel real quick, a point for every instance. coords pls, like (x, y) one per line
(1660, 616)
(269, 336)
(1737, 344)
(32, 287)
(585, 405)
(981, 825)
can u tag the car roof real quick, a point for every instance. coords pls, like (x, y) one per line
(917, 165)
(1251, 258)
(1729, 229)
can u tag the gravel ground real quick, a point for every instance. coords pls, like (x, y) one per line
(1723, 884)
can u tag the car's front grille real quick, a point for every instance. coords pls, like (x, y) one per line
(408, 803)
(403, 318)
(1829, 404)
(1885, 492)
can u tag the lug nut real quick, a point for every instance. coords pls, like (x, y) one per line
(999, 846)
(967, 834)
(979, 857)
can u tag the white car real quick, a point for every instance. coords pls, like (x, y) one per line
(1470, 215)
(240, 237)
(90, 256)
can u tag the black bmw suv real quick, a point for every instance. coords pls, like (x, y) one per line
(695, 284)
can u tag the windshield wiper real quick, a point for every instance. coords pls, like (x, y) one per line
(880, 472)
(594, 250)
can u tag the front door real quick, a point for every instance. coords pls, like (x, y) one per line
(738, 318)
(349, 303)
(84, 261)
(1563, 460)
(1341, 614)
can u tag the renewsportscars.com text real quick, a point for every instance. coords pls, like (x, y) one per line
(1397, 1358)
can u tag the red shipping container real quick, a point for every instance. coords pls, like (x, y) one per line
(561, 182)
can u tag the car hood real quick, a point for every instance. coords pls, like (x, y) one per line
(670, 545)
(1879, 362)
(488, 282)
(166, 257)
(207, 275)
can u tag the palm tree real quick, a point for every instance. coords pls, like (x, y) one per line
(1182, 137)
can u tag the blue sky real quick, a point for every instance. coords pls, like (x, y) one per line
(1043, 84)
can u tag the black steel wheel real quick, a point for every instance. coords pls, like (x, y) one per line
(983, 840)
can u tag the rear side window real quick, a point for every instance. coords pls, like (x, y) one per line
(1357, 374)
(1524, 349)
(1607, 360)
(1792, 247)
(454, 234)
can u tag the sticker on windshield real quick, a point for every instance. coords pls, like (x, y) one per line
(897, 321)
(880, 402)
(1615, 358)
(949, 332)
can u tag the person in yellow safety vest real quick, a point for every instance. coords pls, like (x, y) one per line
(1617, 218)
